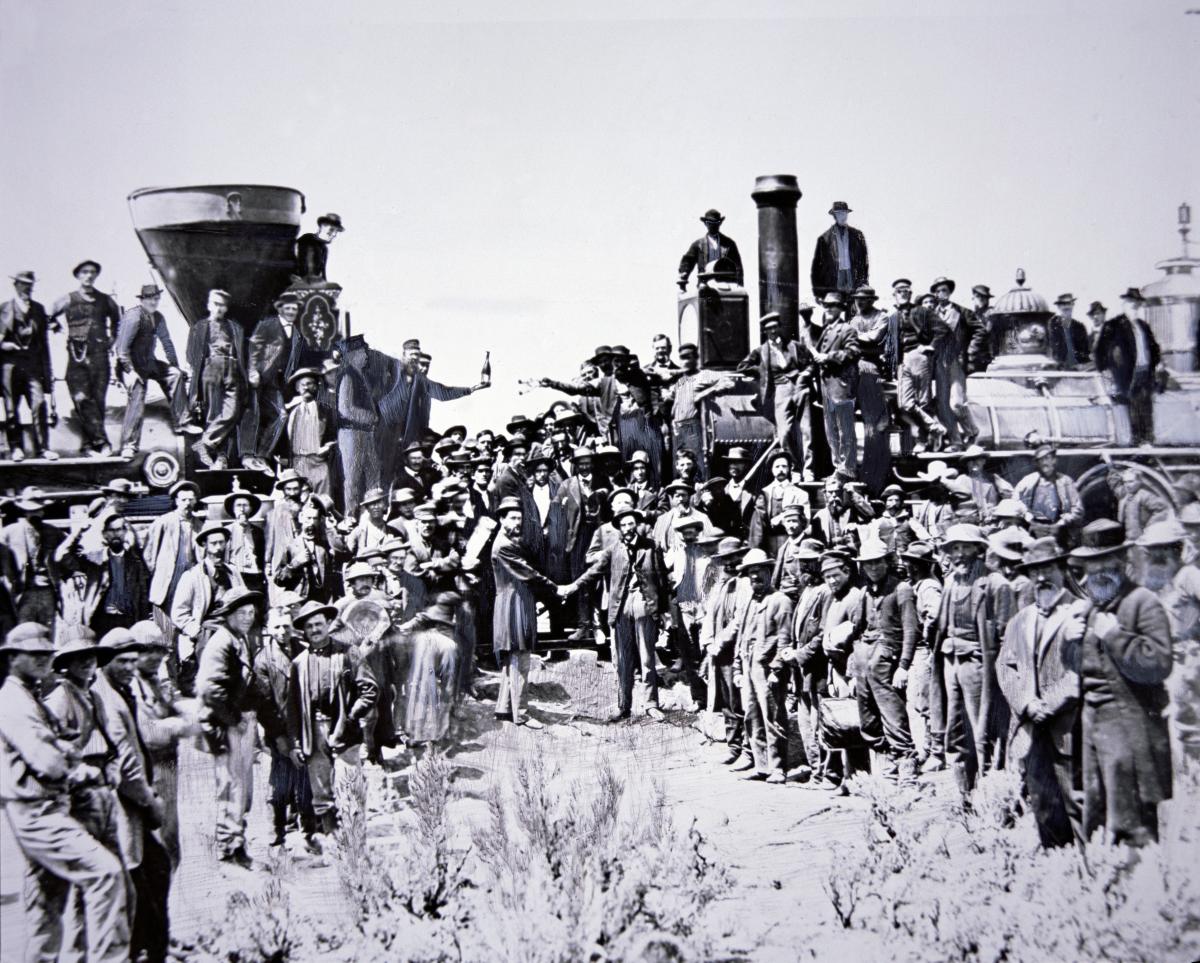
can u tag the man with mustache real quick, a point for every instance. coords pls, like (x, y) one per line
(1125, 661)
(1038, 673)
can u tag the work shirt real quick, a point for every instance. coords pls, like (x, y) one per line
(321, 680)
(306, 428)
(33, 760)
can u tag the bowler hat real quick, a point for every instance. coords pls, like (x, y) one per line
(82, 264)
(1101, 537)
(712, 214)
(254, 500)
(755, 558)
(1096, 306)
(24, 277)
(81, 640)
(31, 637)
(938, 282)
(149, 291)
(332, 219)
(1042, 551)
(840, 206)
(311, 608)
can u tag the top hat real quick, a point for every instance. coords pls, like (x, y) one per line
(840, 206)
(332, 219)
(1101, 537)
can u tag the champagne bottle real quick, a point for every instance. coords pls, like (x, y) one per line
(485, 376)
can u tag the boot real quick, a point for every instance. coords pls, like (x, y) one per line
(308, 821)
(279, 814)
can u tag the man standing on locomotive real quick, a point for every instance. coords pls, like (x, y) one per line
(140, 328)
(92, 321)
(25, 367)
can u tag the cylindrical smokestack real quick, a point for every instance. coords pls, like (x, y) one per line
(778, 267)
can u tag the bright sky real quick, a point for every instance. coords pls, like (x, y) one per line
(525, 176)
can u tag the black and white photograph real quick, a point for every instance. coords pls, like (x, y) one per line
(640, 482)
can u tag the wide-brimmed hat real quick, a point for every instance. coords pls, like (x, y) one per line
(86, 263)
(872, 550)
(959, 488)
(730, 547)
(287, 477)
(982, 290)
(333, 220)
(918, 552)
(1041, 551)
(602, 352)
(149, 291)
(1009, 544)
(254, 500)
(712, 214)
(1010, 508)
(938, 282)
(80, 640)
(973, 451)
(678, 486)
(627, 492)
(964, 534)
(372, 495)
(1063, 299)
(617, 516)
(1168, 532)
(235, 598)
(737, 454)
(937, 471)
(31, 637)
(510, 504)
(691, 520)
(304, 373)
(892, 490)
(311, 608)
(517, 422)
(639, 458)
(755, 558)
(150, 635)
(23, 277)
(359, 570)
(119, 641)
(211, 528)
(1101, 537)
(31, 499)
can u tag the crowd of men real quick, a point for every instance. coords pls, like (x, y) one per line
(955, 621)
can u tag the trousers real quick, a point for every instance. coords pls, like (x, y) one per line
(324, 765)
(964, 723)
(916, 700)
(22, 380)
(514, 672)
(87, 380)
(1111, 796)
(1049, 779)
(234, 770)
(876, 458)
(314, 468)
(152, 884)
(764, 697)
(224, 395)
(170, 382)
(633, 637)
(883, 715)
(686, 618)
(839, 432)
(792, 405)
(953, 411)
(729, 701)
(360, 464)
(61, 854)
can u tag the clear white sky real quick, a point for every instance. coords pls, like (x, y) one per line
(525, 176)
